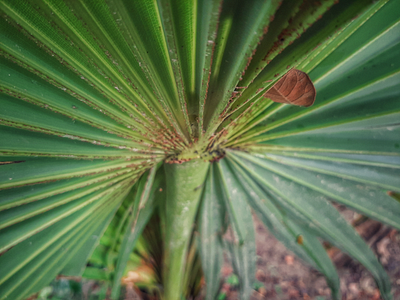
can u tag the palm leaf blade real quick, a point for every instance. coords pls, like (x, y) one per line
(95, 96)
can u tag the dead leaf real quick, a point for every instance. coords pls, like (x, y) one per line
(260, 275)
(294, 88)
(377, 295)
(293, 293)
(226, 271)
(11, 162)
(262, 291)
(392, 235)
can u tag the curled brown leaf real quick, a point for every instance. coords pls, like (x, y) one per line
(294, 88)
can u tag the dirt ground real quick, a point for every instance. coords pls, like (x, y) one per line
(285, 277)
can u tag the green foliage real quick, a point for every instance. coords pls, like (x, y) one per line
(69, 289)
(136, 141)
(232, 280)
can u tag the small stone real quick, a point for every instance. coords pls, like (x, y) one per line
(289, 260)
(367, 285)
(353, 288)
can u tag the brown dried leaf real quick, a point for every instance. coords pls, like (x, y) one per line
(11, 162)
(294, 88)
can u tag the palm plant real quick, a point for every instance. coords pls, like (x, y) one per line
(147, 125)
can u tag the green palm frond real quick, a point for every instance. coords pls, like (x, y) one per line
(137, 133)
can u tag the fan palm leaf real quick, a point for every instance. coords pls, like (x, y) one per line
(118, 116)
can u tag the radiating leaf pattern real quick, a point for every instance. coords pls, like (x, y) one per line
(96, 95)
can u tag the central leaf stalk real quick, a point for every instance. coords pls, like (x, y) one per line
(184, 187)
